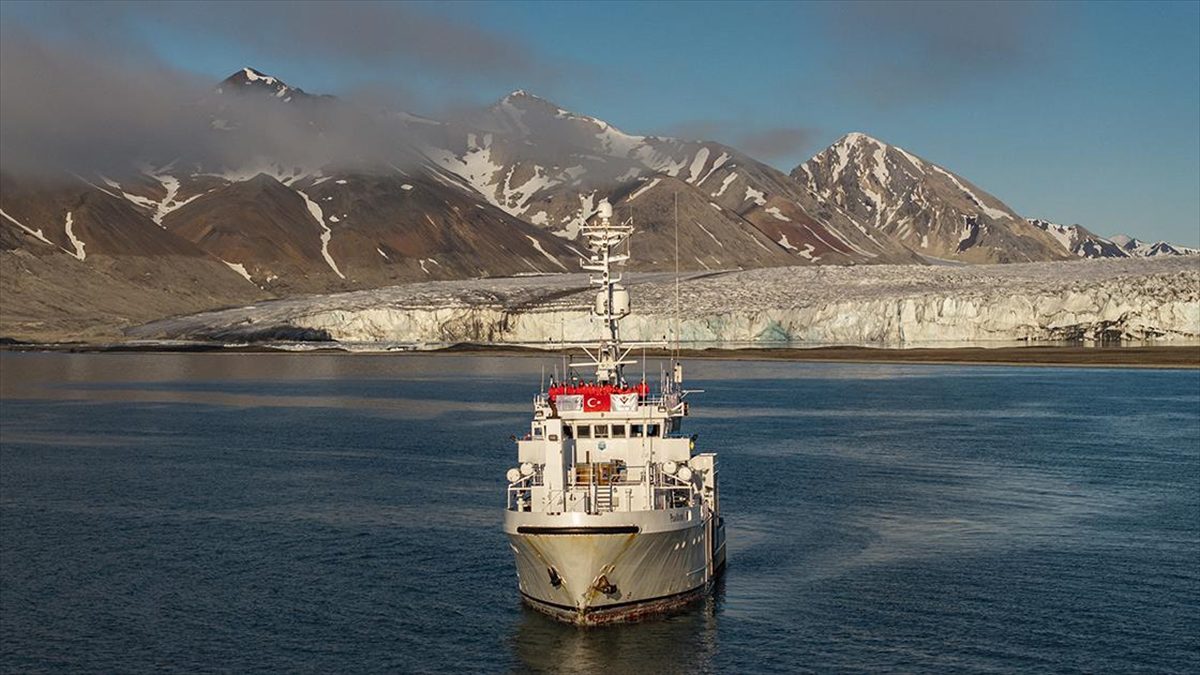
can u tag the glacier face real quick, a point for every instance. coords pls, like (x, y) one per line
(1091, 300)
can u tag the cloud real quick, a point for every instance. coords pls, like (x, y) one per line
(699, 130)
(897, 52)
(778, 143)
(70, 109)
(379, 37)
(65, 108)
(82, 88)
(373, 35)
(765, 144)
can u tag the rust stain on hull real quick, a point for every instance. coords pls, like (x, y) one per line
(641, 611)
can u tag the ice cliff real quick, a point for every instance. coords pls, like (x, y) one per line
(1091, 300)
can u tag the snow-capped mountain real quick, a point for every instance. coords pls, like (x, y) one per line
(1144, 249)
(930, 209)
(1084, 243)
(294, 226)
(286, 192)
(249, 80)
(1080, 241)
(552, 167)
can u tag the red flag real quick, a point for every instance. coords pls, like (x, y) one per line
(594, 402)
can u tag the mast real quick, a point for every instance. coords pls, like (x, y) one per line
(612, 299)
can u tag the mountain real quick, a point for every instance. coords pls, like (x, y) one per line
(928, 208)
(1085, 244)
(78, 261)
(277, 192)
(552, 167)
(86, 254)
(1080, 241)
(1141, 249)
(251, 81)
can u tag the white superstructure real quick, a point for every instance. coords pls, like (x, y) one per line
(610, 514)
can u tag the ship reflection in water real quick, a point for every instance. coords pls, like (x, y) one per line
(683, 642)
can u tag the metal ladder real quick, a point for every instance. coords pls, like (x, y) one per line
(604, 498)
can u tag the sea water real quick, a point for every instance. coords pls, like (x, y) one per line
(331, 512)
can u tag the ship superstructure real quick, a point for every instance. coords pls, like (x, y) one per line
(611, 514)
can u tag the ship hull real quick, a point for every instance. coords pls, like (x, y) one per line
(590, 575)
(634, 611)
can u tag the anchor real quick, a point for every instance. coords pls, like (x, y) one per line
(602, 585)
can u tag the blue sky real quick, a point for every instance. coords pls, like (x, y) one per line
(1076, 112)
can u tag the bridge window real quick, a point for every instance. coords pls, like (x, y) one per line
(600, 431)
(583, 431)
(618, 431)
(537, 432)
(636, 431)
(652, 430)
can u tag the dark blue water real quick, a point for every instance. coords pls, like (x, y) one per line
(334, 512)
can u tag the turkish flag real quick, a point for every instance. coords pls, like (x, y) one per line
(596, 403)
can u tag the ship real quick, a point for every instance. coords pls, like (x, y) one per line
(612, 515)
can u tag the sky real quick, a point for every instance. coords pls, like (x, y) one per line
(1075, 112)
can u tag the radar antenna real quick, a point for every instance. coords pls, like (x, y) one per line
(604, 240)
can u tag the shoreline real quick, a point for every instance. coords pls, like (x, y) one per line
(1165, 356)
(1187, 356)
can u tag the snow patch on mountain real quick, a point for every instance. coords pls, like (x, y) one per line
(36, 234)
(725, 184)
(240, 269)
(990, 211)
(717, 164)
(777, 214)
(75, 241)
(710, 234)
(326, 233)
(588, 207)
(638, 192)
(697, 165)
(757, 196)
(538, 245)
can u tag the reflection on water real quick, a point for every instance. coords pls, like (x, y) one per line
(342, 512)
(685, 642)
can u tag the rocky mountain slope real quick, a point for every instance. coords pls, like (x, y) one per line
(85, 265)
(1089, 300)
(552, 167)
(1080, 241)
(928, 208)
(285, 192)
(210, 234)
(1144, 249)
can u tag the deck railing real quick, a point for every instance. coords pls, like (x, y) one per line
(655, 401)
(593, 491)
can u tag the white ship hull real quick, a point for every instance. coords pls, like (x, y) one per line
(617, 567)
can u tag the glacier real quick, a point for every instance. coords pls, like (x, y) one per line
(1144, 300)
